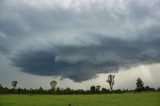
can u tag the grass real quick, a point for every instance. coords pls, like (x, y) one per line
(127, 99)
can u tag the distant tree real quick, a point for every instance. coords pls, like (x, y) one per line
(147, 88)
(98, 88)
(14, 84)
(40, 90)
(67, 90)
(117, 91)
(53, 84)
(104, 89)
(140, 84)
(92, 89)
(111, 81)
(1, 89)
(58, 90)
(0, 86)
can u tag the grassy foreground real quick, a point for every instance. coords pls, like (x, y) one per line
(127, 99)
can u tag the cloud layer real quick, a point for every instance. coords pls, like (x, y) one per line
(78, 39)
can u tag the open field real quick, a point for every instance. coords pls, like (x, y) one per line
(127, 99)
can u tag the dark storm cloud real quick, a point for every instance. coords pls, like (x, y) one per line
(79, 39)
(3, 49)
(83, 63)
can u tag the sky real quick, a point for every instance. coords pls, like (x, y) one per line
(79, 43)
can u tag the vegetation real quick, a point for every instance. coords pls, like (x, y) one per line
(140, 84)
(111, 81)
(127, 99)
(53, 84)
(14, 84)
(67, 91)
(69, 97)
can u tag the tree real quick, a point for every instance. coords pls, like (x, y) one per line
(92, 89)
(40, 90)
(111, 81)
(98, 88)
(1, 86)
(140, 84)
(104, 90)
(147, 88)
(14, 84)
(53, 84)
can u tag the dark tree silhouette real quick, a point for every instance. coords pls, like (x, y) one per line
(92, 89)
(53, 84)
(14, 84)
(111, 81)
(140, 84)
(98, 88)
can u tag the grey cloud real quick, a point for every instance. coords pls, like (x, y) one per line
(79, 42)
(83, 63)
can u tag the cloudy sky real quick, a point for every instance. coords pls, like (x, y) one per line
(79, 42)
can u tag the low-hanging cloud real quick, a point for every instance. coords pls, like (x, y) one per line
(82, 63)
(78, 39)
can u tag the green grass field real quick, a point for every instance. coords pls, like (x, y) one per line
(127, 99)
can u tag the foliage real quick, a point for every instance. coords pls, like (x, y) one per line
(53, 84)
(93, 89)
(111, 81)
(69, 91)
(14, 84)
(98, 88)
(140, 85)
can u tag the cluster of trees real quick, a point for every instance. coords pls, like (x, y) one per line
(140, 86)
(93, 89)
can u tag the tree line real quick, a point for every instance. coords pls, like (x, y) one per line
(61, 91)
